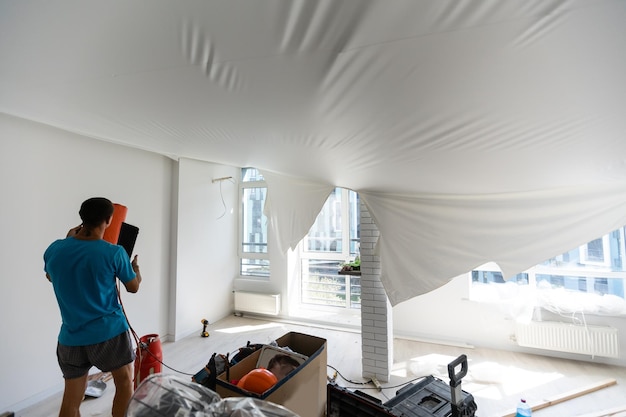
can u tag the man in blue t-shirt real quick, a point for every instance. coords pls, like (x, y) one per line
(94, 332)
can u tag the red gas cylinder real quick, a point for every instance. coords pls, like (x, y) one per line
(149, 357)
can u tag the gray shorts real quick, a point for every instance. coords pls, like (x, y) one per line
(75, 361)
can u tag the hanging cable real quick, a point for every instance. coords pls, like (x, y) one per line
(138, 342)
(130, 327)
(220, 180)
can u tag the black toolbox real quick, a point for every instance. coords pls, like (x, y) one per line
(430, 397)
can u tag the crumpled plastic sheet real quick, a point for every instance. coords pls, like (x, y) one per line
(249, 407)
(165, 395)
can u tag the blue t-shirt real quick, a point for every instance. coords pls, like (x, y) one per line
(83, 276)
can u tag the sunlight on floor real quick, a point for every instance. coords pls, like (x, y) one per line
(248, 328)
(331, 316)
(510, 379)
(484, 379)
(431, 364)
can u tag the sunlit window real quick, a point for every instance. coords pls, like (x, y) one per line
(588, 279)
(253, 251)
(332, 241)
(596, 252)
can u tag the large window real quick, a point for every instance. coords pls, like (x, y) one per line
(253, 254)
(332, 241)
(588, 279)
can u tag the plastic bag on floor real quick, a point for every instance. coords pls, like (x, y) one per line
(170, 395)
(249, 407)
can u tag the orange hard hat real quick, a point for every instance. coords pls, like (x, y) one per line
(257, 380)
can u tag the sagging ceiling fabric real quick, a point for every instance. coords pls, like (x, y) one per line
(474, 131)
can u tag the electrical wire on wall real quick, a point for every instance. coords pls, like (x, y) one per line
(220, 180)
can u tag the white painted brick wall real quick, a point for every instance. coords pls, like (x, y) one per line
(376, 319)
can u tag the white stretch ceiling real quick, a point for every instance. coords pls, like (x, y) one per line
(474, 131)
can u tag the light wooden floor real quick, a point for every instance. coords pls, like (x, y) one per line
(496, 379)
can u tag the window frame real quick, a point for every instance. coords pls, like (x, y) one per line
(243, 186)
(306, 255)
(578, 277)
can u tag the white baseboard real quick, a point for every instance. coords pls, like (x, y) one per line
(431, 340)
(37, 398)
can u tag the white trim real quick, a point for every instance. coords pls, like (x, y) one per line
(37, 398)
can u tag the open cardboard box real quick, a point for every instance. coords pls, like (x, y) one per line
(302, 391)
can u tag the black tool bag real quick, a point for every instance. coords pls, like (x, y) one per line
(245, 351)
(207, 376)
(219, 364)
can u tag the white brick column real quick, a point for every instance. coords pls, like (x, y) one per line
(376, 314)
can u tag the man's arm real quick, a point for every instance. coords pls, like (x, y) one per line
(133, 285)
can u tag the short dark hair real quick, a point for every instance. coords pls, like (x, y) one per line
(95, 210)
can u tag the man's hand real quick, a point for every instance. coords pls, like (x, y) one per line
(135, 265)
(133, 285)
(74, 231)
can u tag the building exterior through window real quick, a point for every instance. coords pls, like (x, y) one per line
(589, 279)
(253, 250)
(332, 241)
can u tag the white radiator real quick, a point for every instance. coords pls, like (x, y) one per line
(258, 303)
(564, 337)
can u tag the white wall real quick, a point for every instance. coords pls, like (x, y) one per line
(207, 259)
(45, 175)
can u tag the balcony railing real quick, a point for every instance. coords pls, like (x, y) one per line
(323, 285)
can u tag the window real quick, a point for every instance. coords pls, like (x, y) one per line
(253, 254)
(332, 241)
(494, 276)
(596, 252)
(587, 279)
